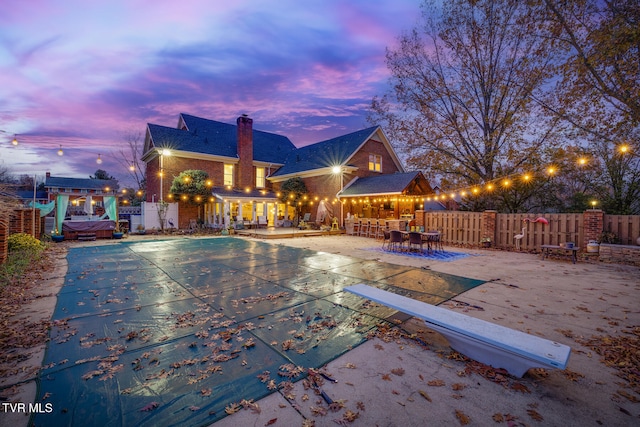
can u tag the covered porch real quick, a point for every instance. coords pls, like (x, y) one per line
(390, 197)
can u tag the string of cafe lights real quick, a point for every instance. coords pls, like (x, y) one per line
(503, 182)
(15, 142)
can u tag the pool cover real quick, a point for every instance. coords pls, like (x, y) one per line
(172, 332)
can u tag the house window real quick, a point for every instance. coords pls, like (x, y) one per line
(260, 178)
(375, 162)
(228, 174)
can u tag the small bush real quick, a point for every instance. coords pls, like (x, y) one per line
(24, 242)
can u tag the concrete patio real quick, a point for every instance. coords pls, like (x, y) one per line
(408, 375)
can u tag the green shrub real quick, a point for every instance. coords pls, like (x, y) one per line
(24, 242)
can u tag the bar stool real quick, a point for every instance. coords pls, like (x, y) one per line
(373, 228)
(382, 227)
(364, 228)
(356, 227)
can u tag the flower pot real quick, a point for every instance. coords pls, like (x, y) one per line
(118, 234)
(57, 238)
(593, 247)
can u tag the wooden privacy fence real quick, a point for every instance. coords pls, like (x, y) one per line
(625, 227)
(18, 221)
(468, 228)
(560, 228)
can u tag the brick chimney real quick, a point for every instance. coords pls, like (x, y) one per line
(245, 152)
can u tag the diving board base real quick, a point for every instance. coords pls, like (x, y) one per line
(486, 342)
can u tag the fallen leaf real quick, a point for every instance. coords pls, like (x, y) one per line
(150, 407)
(534, 414)
(350, 416)
(464, 419)
(398, 371)
(425, 395)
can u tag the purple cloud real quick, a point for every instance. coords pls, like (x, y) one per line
(84, 75)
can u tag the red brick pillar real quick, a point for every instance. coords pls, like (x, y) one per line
(17, 221)
(593, 225)
(4, 236)
(489, 225)
(420, 218)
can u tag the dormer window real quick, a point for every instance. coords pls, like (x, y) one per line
(375, 162)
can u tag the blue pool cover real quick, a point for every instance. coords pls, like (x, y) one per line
(170, 332)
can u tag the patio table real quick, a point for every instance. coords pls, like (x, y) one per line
(572, 251)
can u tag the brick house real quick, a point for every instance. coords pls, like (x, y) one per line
(80, 191)
(247, 168)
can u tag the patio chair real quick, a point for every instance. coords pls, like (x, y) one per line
(435, 240)
(386, 236)
(395, 238)
(415, 238)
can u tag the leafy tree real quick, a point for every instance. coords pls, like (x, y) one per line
(102, 174)
(293, 192)
(191, 183)
(463, 86)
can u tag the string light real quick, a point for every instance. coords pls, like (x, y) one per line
(99, 160)
(60, 152)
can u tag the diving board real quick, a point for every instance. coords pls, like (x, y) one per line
(486, 342)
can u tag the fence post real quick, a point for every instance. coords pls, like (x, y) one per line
(489, 218)
(593, 220)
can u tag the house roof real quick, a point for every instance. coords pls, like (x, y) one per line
(219, 139)
(28, 195)
(78, 183)
(396, 183)
(325, 154)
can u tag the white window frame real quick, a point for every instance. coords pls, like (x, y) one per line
(375, 162)
(228, 174)
(261, 179)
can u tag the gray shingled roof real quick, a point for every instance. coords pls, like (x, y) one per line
(380, 184)
(78, 183)
(324, 154)
(220, 139)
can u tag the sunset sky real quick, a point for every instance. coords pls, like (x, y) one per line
(84, 77)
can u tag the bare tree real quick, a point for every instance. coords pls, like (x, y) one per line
(598, 91)
(462, 91)
(129, 158)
